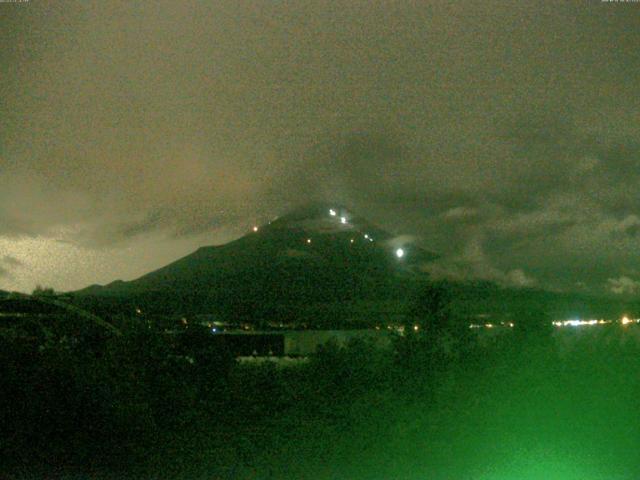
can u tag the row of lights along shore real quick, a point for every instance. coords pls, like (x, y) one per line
(566, 323)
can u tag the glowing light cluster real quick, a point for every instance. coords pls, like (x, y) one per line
(491, 325)
(579, 323)
(399, 253)
(575, 323)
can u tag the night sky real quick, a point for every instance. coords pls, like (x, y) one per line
(504, 135)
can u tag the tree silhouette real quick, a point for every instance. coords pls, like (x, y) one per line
(431, 309)
(41, 291)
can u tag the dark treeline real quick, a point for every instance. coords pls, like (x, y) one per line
(150, 405)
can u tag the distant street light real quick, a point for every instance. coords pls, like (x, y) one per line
(399, 253)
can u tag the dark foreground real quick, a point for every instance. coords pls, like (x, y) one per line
(141, 406)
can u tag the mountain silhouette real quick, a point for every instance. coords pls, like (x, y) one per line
(314, 254)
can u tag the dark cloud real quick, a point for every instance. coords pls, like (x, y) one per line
(633, 230)
(504, 134)
(10, 261)
(8, 265)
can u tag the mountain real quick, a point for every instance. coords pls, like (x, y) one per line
(322, 264)
(315, 254)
